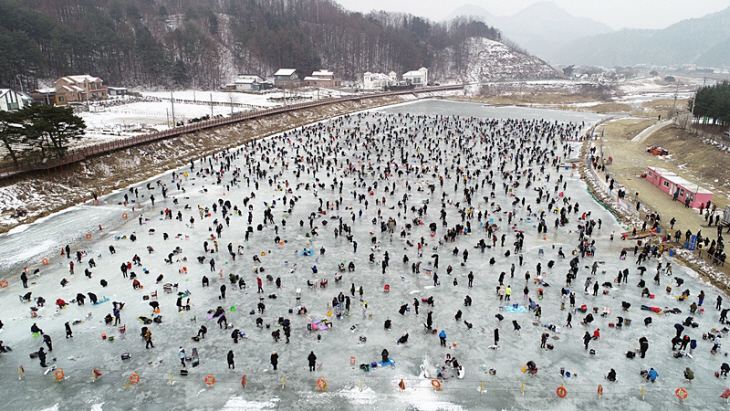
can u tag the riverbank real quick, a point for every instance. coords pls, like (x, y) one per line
(43, 194)
(652, 201)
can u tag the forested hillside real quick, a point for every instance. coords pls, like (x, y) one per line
(203, 43)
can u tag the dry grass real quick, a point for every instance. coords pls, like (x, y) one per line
(626, 129)
(537, 98)
(658, 107)
(602, 108)
(557, 101)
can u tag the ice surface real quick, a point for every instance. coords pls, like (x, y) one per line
(348, 387)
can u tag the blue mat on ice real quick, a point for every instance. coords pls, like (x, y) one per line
(519, 309)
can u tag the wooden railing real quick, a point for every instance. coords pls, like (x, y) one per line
(73, 156)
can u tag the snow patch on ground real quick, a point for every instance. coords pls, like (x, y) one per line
(241, 404)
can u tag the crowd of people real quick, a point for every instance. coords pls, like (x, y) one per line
(432, 198)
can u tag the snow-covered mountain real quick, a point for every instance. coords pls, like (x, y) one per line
(542, 28)
(480, 60)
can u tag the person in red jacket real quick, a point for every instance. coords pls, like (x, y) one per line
(597, 334)
(259, 283)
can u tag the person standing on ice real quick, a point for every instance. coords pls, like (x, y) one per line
(42, 357)
(148, 339)
(587, 339)
(229, 357)
(274, 360)
(181, 354)
(643, 346)
(312, 359)
(442, 337)
(49, 343)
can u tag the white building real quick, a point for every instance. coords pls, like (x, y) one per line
(374, 81)
(418, 78)
(286, 78)
(11, 100)
(246, 82)
(322, 78)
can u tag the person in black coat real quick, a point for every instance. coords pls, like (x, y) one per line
(275, 359)
(312, 361)
(643, 346)
(385, 355)
(611, 375)
(202, 331)
(231, 365)
(42, 357)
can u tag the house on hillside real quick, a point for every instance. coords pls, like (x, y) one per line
(11, 100)
(116, 91)
(47, 96)
(286, 78)
(322, 78)
(80, 88)
(418, 78)
(377, 81)
(249, 83)
(673, 184)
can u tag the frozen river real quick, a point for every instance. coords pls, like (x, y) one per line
(291, 387)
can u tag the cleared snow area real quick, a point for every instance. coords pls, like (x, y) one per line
(292, 386)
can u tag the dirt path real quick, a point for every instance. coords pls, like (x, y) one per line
(649, 131)
(688, 158)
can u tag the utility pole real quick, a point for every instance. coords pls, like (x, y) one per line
(211, 105)
(603, 158)
(172, 103)
(698, 187)
(674, 106)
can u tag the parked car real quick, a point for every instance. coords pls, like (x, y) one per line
(657, 151)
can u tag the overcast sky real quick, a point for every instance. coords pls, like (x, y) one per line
(617, 14)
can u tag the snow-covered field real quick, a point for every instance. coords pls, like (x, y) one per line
(268, 99)
(142, 117)
(291, 387)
